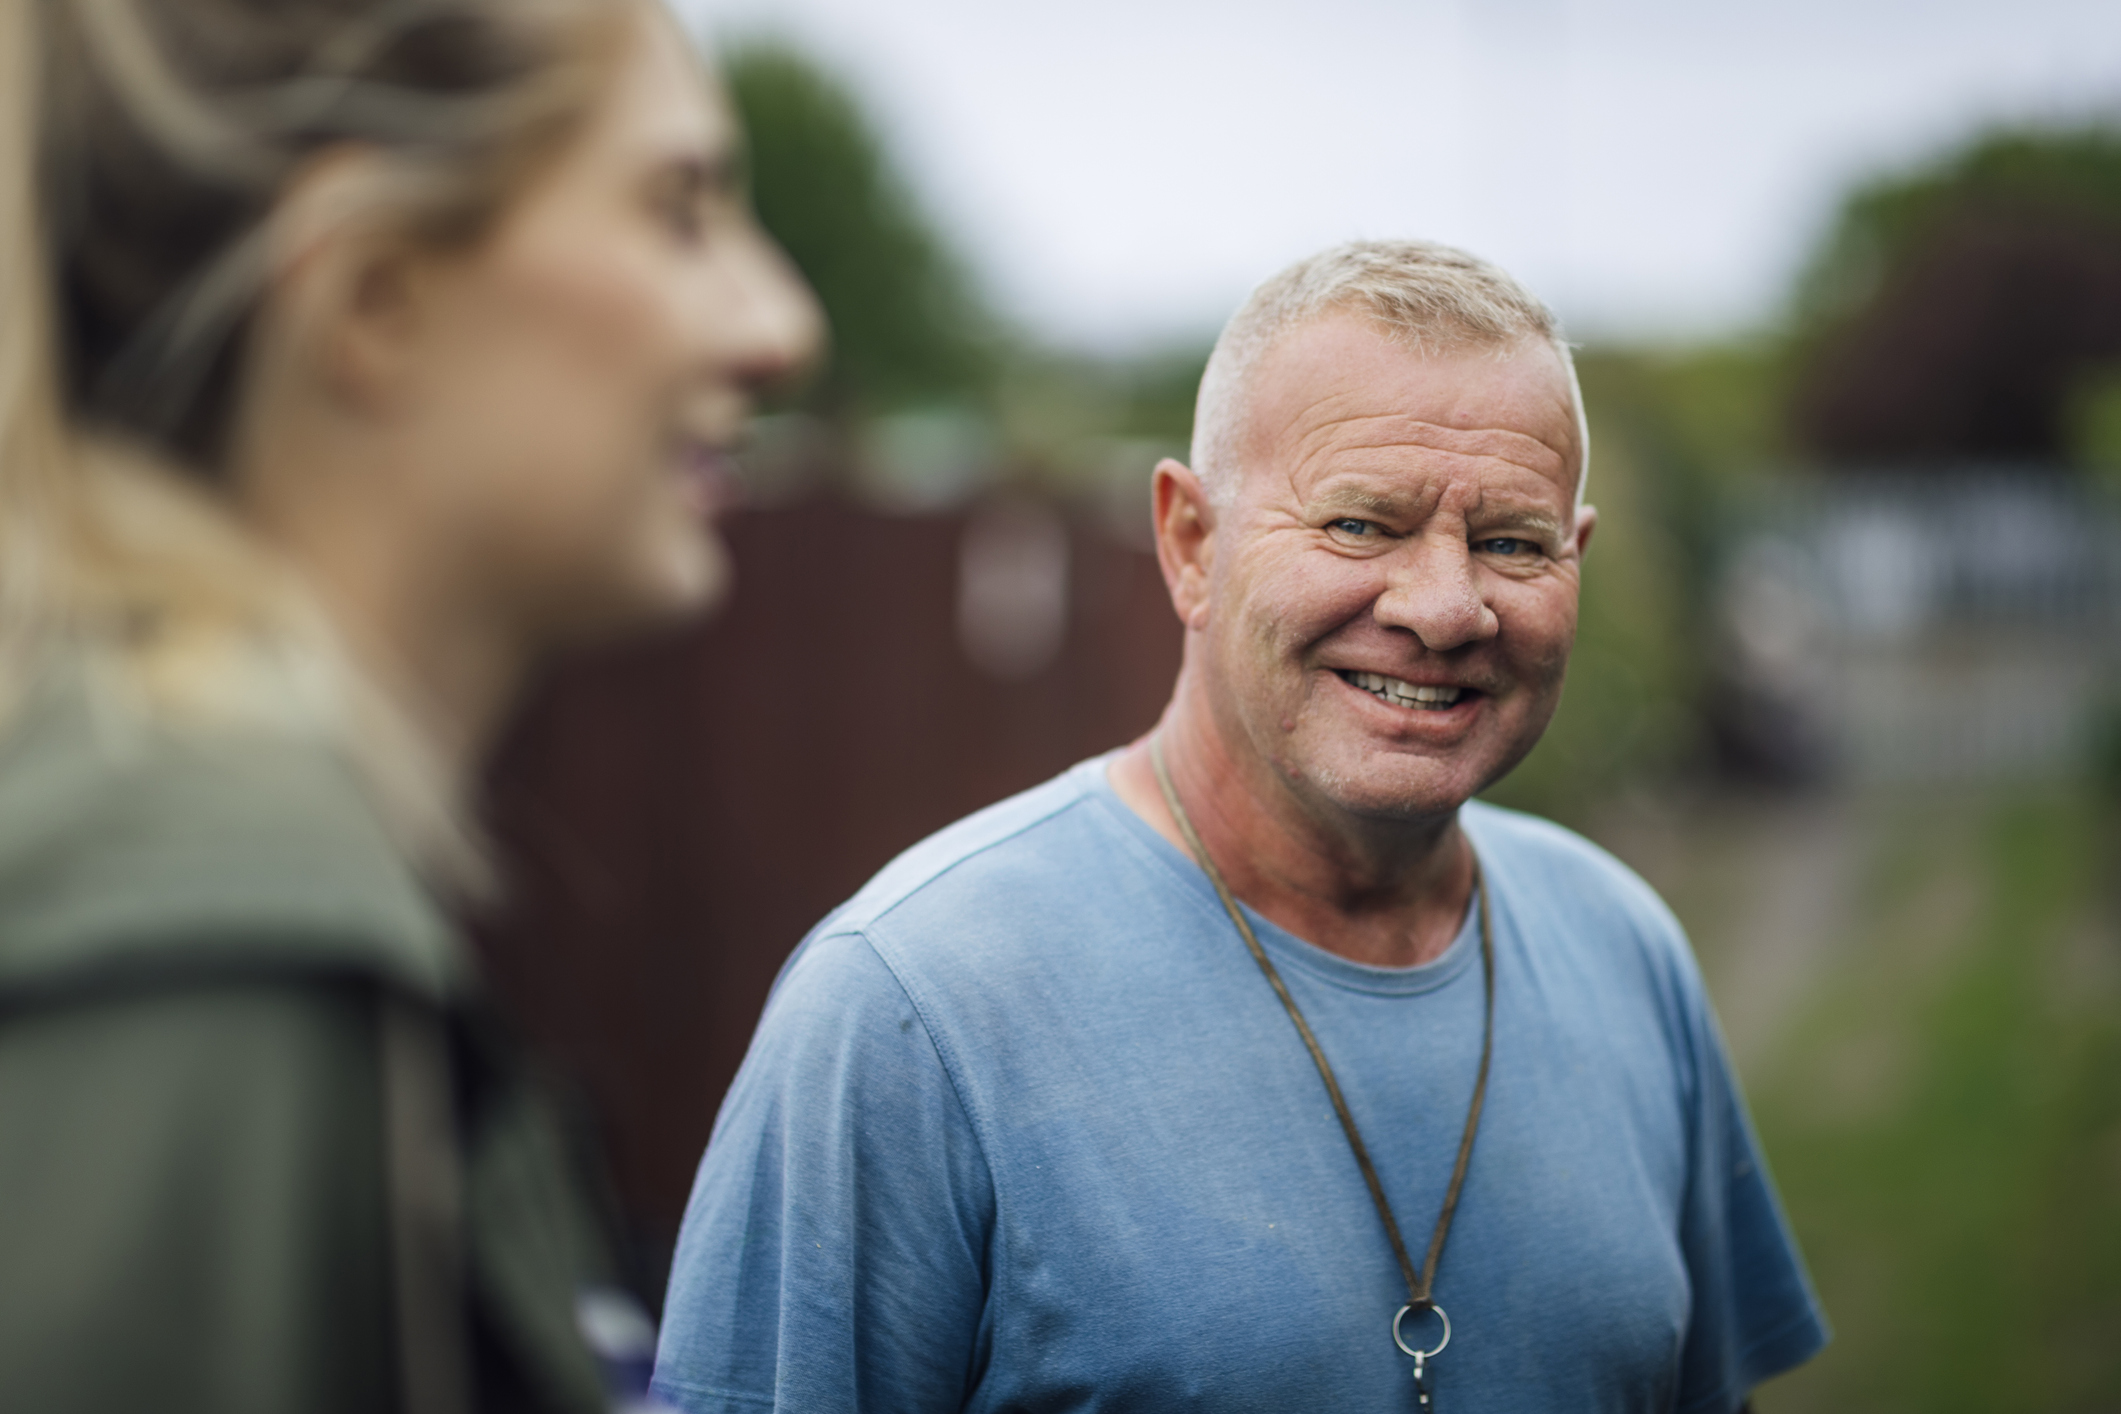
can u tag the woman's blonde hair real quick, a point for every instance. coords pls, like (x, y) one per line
(143, 147)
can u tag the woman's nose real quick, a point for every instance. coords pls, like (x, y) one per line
(783, 325)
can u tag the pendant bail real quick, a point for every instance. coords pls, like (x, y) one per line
(1421, 1357)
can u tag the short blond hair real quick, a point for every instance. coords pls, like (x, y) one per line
(1433, 297)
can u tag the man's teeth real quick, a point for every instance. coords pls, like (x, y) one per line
(1407, 694)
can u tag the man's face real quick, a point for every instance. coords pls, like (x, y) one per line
(1391, 599)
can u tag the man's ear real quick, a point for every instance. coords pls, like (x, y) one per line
(1185, 538)
(344, 287)
(1586, 522)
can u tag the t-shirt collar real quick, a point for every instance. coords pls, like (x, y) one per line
(1287, 949)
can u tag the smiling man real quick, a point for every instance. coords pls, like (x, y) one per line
(1255, 1066)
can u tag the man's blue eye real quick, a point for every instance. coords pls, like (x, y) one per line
(1507, 545)
(1352, 526)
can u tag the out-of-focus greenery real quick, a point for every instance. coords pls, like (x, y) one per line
(907, 325)
(1945, 1122)
(927, 396)
(2071, 172)
(2094, 422)
(1953, 312)
(1050, 404)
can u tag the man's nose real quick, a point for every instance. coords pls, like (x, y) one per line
(1432, 588)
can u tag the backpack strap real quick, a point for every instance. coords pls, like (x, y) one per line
(424, 1180)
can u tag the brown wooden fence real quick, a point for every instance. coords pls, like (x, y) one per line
(673, 818)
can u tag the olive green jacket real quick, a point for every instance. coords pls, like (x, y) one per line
(204, 1163)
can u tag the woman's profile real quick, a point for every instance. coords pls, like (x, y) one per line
(354, 356)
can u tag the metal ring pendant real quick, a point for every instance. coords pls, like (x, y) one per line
(1400, 1340)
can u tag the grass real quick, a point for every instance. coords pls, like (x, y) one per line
(1944, 1116)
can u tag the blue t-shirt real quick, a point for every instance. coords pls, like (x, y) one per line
(1024, 1128)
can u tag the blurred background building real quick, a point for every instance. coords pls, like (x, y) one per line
(1848, 688)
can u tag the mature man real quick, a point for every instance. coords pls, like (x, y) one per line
(1222, 1072)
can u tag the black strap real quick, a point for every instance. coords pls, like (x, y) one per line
(1419, 1284)
(425, 1181)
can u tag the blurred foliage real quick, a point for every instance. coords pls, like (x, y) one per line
(1159, 389)
(907, 325)
(1945, 1124)
(928, 397)
(2094, 423)
(1052, 404)
(2106, 751)
(2068, 174)
(1952, 312)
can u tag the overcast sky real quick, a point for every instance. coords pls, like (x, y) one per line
(1120, 172)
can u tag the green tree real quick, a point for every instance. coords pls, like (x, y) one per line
(1957, 313)
(2071, 175)
(907, 326)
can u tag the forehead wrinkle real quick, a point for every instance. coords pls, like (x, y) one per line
(1435, 468)
(1389, 430)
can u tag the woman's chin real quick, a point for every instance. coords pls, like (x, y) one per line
(692, 577)
(712, 577)
(679, 580)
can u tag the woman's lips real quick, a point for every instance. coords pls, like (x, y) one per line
(711, 485)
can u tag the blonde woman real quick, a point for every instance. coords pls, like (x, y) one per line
(354, 354)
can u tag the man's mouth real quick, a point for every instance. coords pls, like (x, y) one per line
(1422, 697)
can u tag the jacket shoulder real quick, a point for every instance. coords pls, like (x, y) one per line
(127, 844)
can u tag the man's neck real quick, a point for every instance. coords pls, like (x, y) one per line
(1390, 894)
